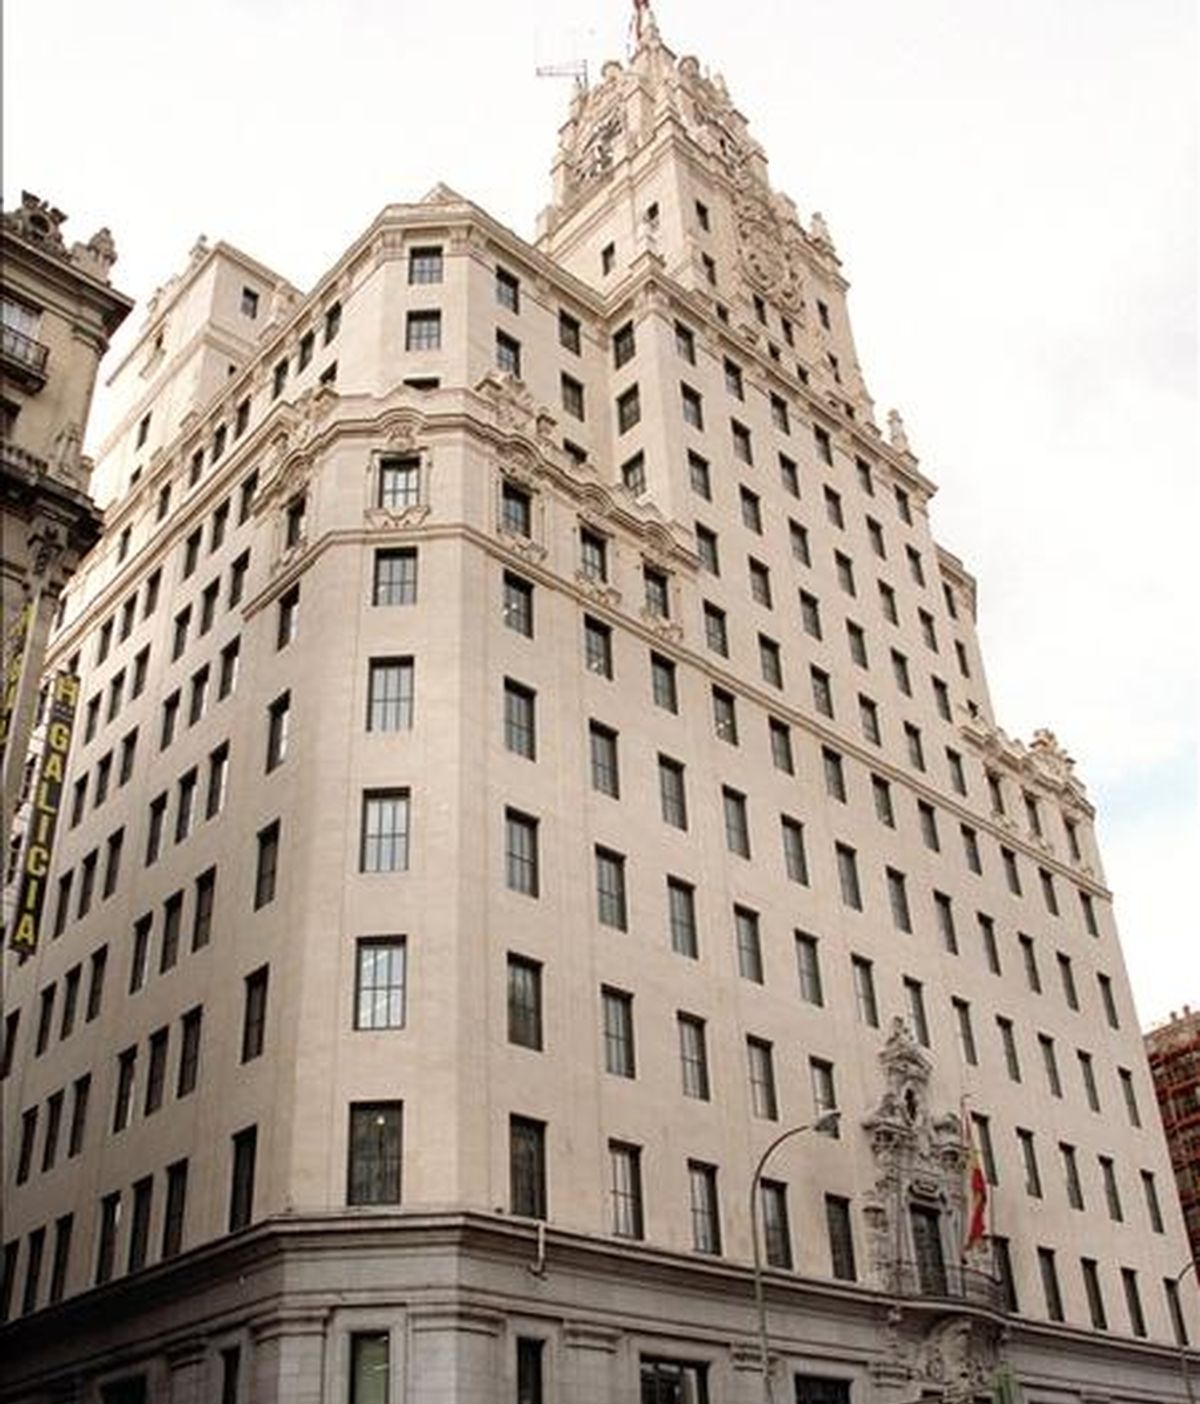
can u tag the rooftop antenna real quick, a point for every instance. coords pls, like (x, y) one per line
(578, 70)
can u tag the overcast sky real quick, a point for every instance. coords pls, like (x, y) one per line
(1013, 192)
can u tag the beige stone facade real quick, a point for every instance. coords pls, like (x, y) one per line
(59, 312)
(547, 756)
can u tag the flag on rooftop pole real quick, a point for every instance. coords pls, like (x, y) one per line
(977, 1190)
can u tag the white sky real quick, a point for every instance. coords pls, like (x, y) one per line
(1013, 192)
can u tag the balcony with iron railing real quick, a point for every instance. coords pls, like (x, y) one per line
(948, 1283)
(24, 358)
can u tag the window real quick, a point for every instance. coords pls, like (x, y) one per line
(789, 477)
(569, 332)
(941, 698)
(737, 824)
(625, 1189)
(822, 691)
(610, 888)
(29, 1120)
(527, 1167)
(518, 604)
(681, 916)
(749, 944)
(1153, 1208)
(693, 1057)
(373, 1172)
(597, 647)
(810, 614)
(399, 483)
(779, 415)
(370, 1368)
(706, 549)
(662, 683)
(98, 966)
(156, 1071)
(172, 925)
(657, 593)
(1125, 1077)
(62, 1256)
(672, 795)
(227, 680)
(629, 409)
(1050, 1064)
(189, 1052)
(780, 736)
(725, 715)
(869, 717)
(206, 887)
(1008, 1044)
(1070, 1164)
(912, 738)
(760, 583)
(706, 1220)
(897, 890)
(385, 831)
(845, 572)
(1112, 1194)
(1088, 1075)
(863, 976)
(742, 448)
(693, 407)
(685, 343)
(1104, 984)
(617, 1009)
(1012, 875)
(289, 615)
(602, 745)
(521, 852)
(698, 476)
(267, 865)
(795, 858)
(179, 636)
(733, 380)
(958, 779)
(624, 345)
(524, 1002)
(971, 849)
(218, 772)
(123, 1099)
(966, 1033)
(928, 632)
(1175, 1310)
(1066, 975)
(715, 635)
(106, 1246)
(841, 1238)
(516, 509)
(186, 806)
(608, 257)
(423, 330)
(847, 867)
(1033, 1179)
(508, 354)
(1049, 896)
(914, 994)
(633, 474)
(1133, 1301)
(1089, 914)
(760, 1062)
(593, 555)
(1029, 956)
(808, 968)
(80, 1097)
(254, 1013)
(278, 714)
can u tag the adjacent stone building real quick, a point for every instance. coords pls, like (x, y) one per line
(58, 311)
(534, 753)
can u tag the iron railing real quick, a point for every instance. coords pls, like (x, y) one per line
(23, 351)
(949, 1282)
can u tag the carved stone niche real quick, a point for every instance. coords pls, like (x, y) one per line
(954, 1359)
(920, 1160)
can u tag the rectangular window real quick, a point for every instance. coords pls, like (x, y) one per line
(1066, 975)
(863, 975)
(423, 330)
(693, 1057)
(662, 683)
(715, 634)
(106, 1244)
(672, 794)
(527, 1167)
(1129, 1094)
(914, 993)
(841, 1238)
(189, 1052)
(123, 1098)
(395, 577)
(154, 828)
(685, 343)
(617, 1008)
(385, 831)
(625, 1189)
(81, 1096)
(725, 715)
(780, 735)
(1087, 1073)
(254, 1013)
(520, 729)
(244, 1146)
(597, 647)
(1133, 1301)
(1050, 1065)
(681, 914)
(374, 1153)
(749, 944)
(1104, 984)
(760, 1062)
(966, 1034)
(379, 991)
(810, 614)
(425, 265)
(516, 509)
(657, 593)
(629, 409)
(1112, 1194)
(289, 615)
(399, 483)
(156, 1071)
(737, 823)
(278, 717)
(389, 695)
(795, 857)
(267, 865)
(525, 1002)
(517, 606)
(593, 555)
(1033, 1177)
(927, 818)
(1070, 1164)
(847, 867)
(693, 407)
(610, 889)
(1008, 1043)
(760, 583)
(218, 773)
(633, 474)
(897, 889)
(706, 1219)
(521, 852)
(1153, 1208)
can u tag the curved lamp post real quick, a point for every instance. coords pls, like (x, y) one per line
(823, 1125)
(1192, 1266)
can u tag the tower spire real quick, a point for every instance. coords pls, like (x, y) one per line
(641, 22)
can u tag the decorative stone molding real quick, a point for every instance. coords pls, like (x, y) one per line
(385, 519)
(597, 590)
(581, 1335)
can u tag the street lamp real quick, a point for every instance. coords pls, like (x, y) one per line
(824, 1125)
(1192, 1266)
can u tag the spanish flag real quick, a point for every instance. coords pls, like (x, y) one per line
(977, 1194)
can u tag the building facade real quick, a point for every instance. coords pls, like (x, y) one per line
(534, 753)
(58, 311)
(1174, 1053)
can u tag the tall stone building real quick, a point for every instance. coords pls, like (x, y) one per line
(58, 311)
(535, 754)
(1174, 1053)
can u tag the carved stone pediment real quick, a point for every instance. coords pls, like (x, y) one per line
(383, 518)
(402, 430)
(598, 590)
(522, 546)
(953, 1359)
